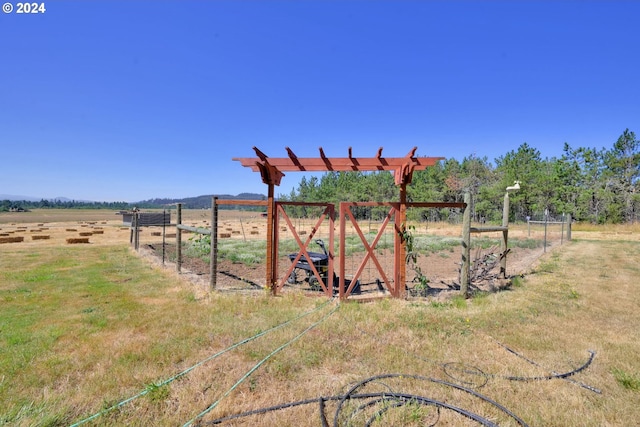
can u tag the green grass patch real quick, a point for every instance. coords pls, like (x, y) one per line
(627, 380)
(252, 252)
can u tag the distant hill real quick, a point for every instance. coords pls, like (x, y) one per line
(14, 197)
(198, 202)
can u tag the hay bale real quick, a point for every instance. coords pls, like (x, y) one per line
(4, 234)
(86, 233)
(14, 239)
(171, 235)
(71, 229)
(40, 225)
(156, 233)
(235, 232)
(254, 232)
(74, 240)
(40, 237)
(302, 233)
(225, 235)
(98, 232)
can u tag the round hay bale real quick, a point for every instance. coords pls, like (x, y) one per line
(98, 232)
(156, 233)
(86, 233)
(225, 235)
(71, 229)
(40, 237)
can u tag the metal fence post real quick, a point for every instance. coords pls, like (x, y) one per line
(546, 219)
(179, 238)
(164, 232)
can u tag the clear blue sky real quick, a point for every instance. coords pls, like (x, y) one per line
(130, 100)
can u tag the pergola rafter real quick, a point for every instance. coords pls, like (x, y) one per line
(272, 168)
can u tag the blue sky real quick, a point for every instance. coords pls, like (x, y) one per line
(130, 100)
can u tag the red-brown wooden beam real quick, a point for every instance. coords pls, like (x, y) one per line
(402, 165)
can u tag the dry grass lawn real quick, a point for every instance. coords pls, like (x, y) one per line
(84, 328)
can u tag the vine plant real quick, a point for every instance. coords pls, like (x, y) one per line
(411, 259)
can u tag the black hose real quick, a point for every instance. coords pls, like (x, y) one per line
(397, 399)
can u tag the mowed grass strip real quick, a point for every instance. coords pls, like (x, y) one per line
(84, 328)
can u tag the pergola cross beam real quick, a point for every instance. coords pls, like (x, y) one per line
(403, 167)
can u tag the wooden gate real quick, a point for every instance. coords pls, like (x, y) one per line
(324, 278)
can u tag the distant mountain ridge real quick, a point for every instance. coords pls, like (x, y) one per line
(14, 197)
(198, 202)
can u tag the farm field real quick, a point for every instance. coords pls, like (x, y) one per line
(96, 335)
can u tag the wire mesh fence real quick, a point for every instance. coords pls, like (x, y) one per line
(311, 256)
(552, 230)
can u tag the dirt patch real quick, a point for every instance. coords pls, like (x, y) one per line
(442, 270)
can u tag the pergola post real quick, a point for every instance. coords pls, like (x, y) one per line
(400, 249)
(271, 256)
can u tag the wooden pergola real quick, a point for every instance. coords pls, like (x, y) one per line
(272, 170)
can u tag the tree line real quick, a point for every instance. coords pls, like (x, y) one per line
(595, 185)
(199, 202)
(25, 205)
